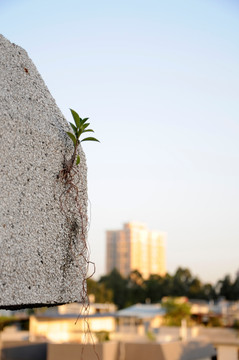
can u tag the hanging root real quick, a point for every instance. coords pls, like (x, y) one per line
(71, 205)
(77, 223)
(78, 226)
(74, 209)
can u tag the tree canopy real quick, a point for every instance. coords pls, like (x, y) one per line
(135, 289)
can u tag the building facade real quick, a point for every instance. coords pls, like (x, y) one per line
(136, 248)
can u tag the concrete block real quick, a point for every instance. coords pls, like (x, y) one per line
(43, 222)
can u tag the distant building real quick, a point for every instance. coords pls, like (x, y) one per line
(73, 323)
(136, 248)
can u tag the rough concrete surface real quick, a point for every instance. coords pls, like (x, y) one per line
(42, 226)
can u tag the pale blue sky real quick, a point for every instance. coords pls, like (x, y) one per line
(160, 83)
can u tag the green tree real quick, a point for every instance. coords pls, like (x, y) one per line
(99, 290)
(176, 311)
(136, 292)
(226, 288)
(155, 288)
(208, 292)
(168, 284)
(115, 282)
(235, 289)
(195, 289)
(181, 282)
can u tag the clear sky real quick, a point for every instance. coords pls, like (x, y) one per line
(160, 82)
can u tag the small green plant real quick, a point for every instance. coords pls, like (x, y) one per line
(79, 127)
(151, 336)
(70, 178)
(102, 336)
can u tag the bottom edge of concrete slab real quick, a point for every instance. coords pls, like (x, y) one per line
(29, 306)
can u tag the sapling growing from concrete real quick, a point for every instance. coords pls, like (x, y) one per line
(68, 172)
(69, 177)
(79, 127)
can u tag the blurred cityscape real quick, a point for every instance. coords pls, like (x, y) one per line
(135, 311)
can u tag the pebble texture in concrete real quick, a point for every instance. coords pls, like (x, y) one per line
(42, 226)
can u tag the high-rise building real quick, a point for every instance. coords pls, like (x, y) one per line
(136, 248)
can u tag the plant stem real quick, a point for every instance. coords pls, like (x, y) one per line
(69, 164)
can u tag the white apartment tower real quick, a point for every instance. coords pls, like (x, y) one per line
(136, 248)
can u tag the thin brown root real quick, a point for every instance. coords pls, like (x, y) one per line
(67, 178)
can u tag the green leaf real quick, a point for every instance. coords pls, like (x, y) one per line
(78, 134)
(83, 127)
(77, 160)
(74, 128)
(76, 118)
(84, 120)
(90, 139)
(88, 130)
(72, 137)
